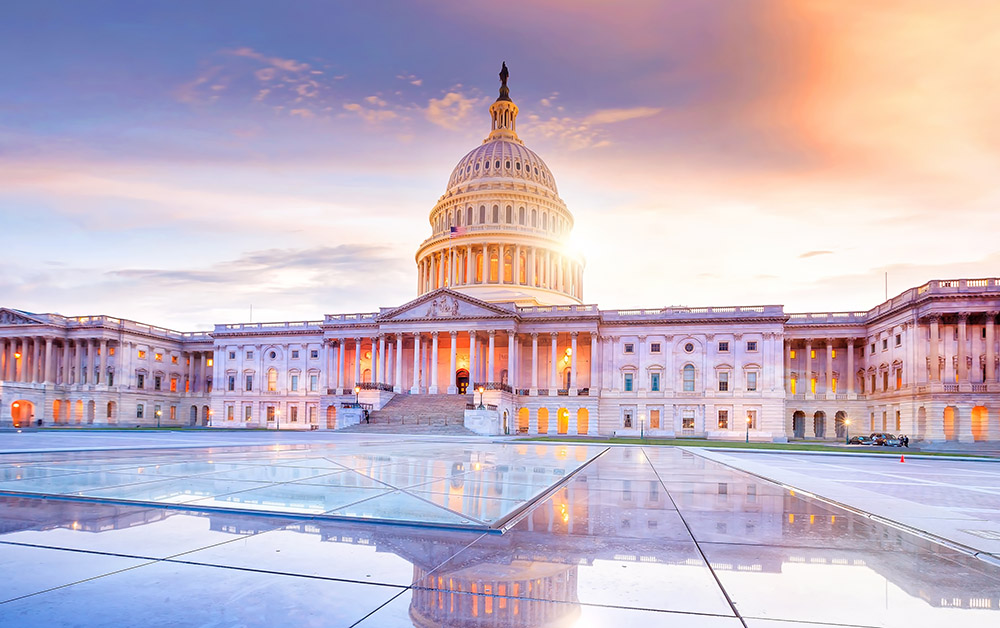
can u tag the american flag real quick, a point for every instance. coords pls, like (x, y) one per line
(457, 231)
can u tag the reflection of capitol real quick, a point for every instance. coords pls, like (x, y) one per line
(506, 579)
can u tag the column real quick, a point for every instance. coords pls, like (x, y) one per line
(49, 376)
(511, 352)
(534, 364)
(328, 362)
(809, 366)
(398, 380)
(963, 362)
(434, 272)
(415, 389)
(218, 374)
(519, 279)
(453, 364)
(357, 362)
(828, 379)
(991, 373)
(468, 272)
(26, 360)
(381, 359)
(388, 368)
(501, 273)
(342, 366)
(787, 348)
(190, 372)
(935, 321)
(434, 364)
(572, 364)
(472, 359)
(103, 361)
(451, 266)
(95, 348)
(850, 366)
(490, 372)
(553, 374)
(484, 265)
(593, 363)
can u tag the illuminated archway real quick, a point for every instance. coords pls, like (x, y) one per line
(840, 423)
(980, 423)
(22, 412)
(950, 423)
(582, 421)
(543, 420)
(562, 421)
(523, 420)
(331, 417)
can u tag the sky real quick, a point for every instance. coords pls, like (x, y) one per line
(179, 162)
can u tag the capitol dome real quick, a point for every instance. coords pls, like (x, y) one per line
(499, 230)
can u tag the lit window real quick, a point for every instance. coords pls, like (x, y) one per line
(209, 362)
(629, 347)
(723, 381)
(812, 385)
(792, 354)
(752, 419)
(654, 382)
(173, 413)
(833, 385)
(812, 354)
(111, 350)
(723, 419)
(899, 379)
(687, 420)
(142, 354)
(654, 347)
(833, 353)
(628, 382)
(173, 359)
(229, 413)
(158, 357)
(688, 372)
(293, 413)
(270, 413)
(724, 347)
(272, 380)
(173, 384)
(247, 412)
(752, 381)
(794, 385)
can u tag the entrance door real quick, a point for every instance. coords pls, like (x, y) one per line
(799, 424)
(462, 380)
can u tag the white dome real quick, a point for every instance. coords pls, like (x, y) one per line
(502, 159)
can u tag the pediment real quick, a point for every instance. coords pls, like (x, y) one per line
(16, 317)
(445, 304)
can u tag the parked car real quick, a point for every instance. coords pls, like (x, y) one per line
(860, 440)
(885, 440)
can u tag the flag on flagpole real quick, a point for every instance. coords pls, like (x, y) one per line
(457, 231)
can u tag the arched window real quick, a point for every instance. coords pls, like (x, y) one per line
(534, 218)
(468, 216)
(688, 372)
(510, 215)
(482, 214)
(545, 220)
(496, 213)
(520, 215)
(494, 267)
(508, 271)
(272, 380)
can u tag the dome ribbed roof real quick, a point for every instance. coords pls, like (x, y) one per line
(502, 159)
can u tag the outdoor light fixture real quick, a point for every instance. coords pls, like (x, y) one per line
(847, 431)
(481, 391)
(748, 429)
(158, 413)
(357, 391)
(277, 418)
(17, 355)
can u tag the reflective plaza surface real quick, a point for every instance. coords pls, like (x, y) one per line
(413, 532)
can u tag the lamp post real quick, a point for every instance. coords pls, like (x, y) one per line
(158, 418)
(748, 430)
(481, 391)
(357, 391)
(642, 425)
(210, 414)
(847, 431)
(277, 418)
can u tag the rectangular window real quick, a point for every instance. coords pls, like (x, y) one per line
(873, 383)
(173, 359)
(654, 419)
(295, 355)
(157, 382)
(812, 385)
(833, 353)
(629, 347)
(270, 414)
(872, 348)
(723, 381)
(111, 378)
(249, 383)
(654, 382)
(899, 339)
(173, 384)
(158, 357)
(313, 383)
(140, 380)
(654, 347)
(312, 414)
(792, 354)
(833, 384)
(689, 378)
(724, 347)
(209, 362)
(687, 420)
(812, 354)
(752, 419)
(295, 382)
(138, 411)
(794, 385)
(314, 354)
(751, 345)
(208, 385)
(628, 382)
(249, 355)
(752, 381)
(229, 413)
(157, 412)
(142, 354)
(247, 412)
(885, 380)
(232, 355)
(723, 419)
(173, 413)
(885, 344)
(293, 414)
(899, 379)
(231, 386)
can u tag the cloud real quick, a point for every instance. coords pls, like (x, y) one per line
(814, 254)
(452, 110)
(610, 116)
(289, 65)
(370, 115)
(411, 79)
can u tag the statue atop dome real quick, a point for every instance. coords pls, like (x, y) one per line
(504, 91)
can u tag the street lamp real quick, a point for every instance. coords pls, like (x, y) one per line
(357, 391)
(277, 418)
(847, 431)
(158, 418)
(481, 391)
(642, 425)
(748, 430)
(210, 414)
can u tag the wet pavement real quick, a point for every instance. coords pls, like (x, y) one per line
(656, 536)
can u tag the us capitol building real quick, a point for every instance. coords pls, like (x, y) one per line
(500, 309)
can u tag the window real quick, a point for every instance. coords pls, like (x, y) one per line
(314, 354)
(751, 345)
(313, 383)
(885, 380)
(795, 383)
(208, 383)
(157, 381)
(142, 354)
(173, 359)
(687, 420)
(231, 383)
(899, 379)
(140, 380)
(833, 384)
(138, 411)
(723, 381)
(899, 339)
(173, 413)
(247, 412)
(812, 385)
(873, 382)
(272, 355)
(173, 384)
(654, 419)
(689, 347)
(270, 414)
(752, 419)
(629, 347)
(156, 412)
(249, 355)
(295, 355)
(654, 347)
(654, 382)
(751, 381)
(232, 355)
(158, 357)
(111, 350)
(209, 362)
(295, 382)
(792, 354)
(872, 348)
(724, 346)
(812, 354)
(293, 414)
(627, 417)
(111, 378)
(688, 373)
(723, 419)
(272, 380)
(229, 413)
(885, 344)
(833, 353)
(249, 385)
(628, 382)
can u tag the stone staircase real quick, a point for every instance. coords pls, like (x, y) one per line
(418, 414)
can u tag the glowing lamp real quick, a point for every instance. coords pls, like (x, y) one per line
(17, 355)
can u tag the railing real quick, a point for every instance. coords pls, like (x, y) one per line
(583, 392)
(289, 326)
(542, 392)
(351, 404)
(523, 392)
(980, 388)
(366, 317)
(951, 387)
(563, 392)
(921, 389)
(552, 309)
(492, 386)
(680, 312)
(375, 386)
(481, 406)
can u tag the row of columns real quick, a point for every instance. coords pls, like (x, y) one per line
(807, 360)
(34, 360)
(456, 266)
(936, 325)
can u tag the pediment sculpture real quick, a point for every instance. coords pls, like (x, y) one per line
(443, 306)
(12, 318)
